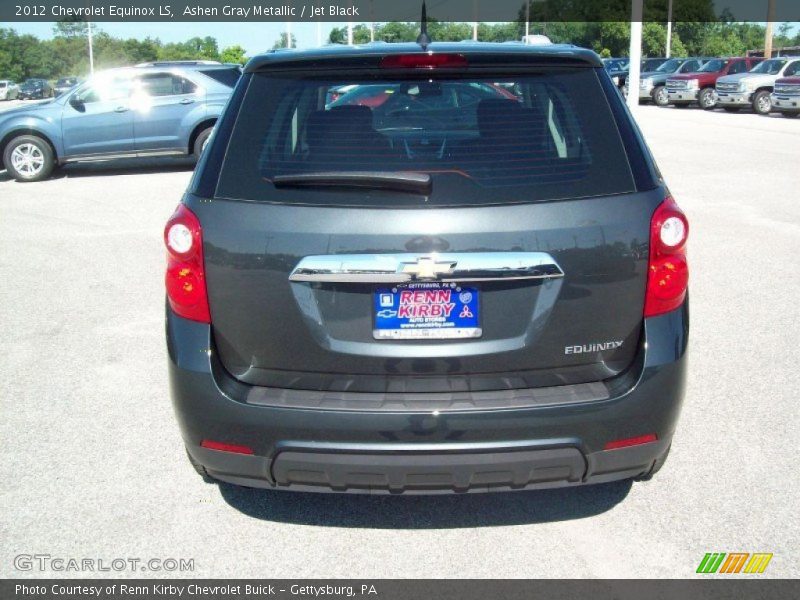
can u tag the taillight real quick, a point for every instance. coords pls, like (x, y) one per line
(668, 271)
(428, 60)
(186, 281)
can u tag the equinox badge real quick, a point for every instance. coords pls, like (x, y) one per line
(586, 348)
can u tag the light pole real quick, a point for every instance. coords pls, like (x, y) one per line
(371, 23)
(350, 29)
(768, 32)
(527, 21)
(91, 50)
(635, 54)
(669, 29)
(475, 22)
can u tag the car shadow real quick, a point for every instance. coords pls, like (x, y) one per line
(129, 166)
(426, 512)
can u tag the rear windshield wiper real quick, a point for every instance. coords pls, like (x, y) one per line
(399, 181)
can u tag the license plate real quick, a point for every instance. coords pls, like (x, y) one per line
(431, 311)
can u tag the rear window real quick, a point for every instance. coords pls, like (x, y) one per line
(227, 77)
(481, 140)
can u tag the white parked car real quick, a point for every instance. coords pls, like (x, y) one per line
(8, 90)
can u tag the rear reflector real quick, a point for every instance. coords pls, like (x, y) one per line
(634, 441)
(423, 61)
(223, 447)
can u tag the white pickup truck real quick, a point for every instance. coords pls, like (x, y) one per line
(755, 87)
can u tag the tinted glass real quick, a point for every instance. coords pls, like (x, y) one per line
(483, 140)
(104, 88)
(690, 66)
(713, 66)
(738, 67)
(651, 64)
(227, 77)
(792, 69)
(670, 66)
(164, 84)
(770, 67)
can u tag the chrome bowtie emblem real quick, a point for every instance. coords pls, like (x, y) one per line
(427, 267)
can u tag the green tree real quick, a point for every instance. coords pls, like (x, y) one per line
(233, 54)
(70, 28)
(398, 32)
(138, 51)
(196, 48)
(499, 32)
(281, 41)
(448, 32)
(723, 43)
(654, 41)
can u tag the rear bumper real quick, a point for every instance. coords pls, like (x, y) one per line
(417, 451)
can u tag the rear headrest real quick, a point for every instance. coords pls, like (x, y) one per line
(359, 117)
(507, 118)
(342, 125)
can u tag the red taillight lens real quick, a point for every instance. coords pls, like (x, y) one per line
(186, 281)
(634, 441)
(668, 271)
(428, 60)
(225, 447)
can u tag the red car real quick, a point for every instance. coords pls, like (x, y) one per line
(786, 97)
(688, 88)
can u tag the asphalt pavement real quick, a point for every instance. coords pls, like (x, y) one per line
(93, 464)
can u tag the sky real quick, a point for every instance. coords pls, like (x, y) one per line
(253, 37)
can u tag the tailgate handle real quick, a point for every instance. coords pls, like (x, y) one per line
(450, 267)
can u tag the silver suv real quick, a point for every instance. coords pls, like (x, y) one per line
(754, 88)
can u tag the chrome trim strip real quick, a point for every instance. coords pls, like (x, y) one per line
(114, 156)
(447, 267)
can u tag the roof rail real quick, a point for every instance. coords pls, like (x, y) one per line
(177, 63)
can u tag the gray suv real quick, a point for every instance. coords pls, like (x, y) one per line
(653, 84)
(458, 292)
(158, 110)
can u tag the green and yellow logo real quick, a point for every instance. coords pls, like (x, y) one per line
(734, 562)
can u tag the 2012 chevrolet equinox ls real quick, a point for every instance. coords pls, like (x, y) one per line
(472, 279)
